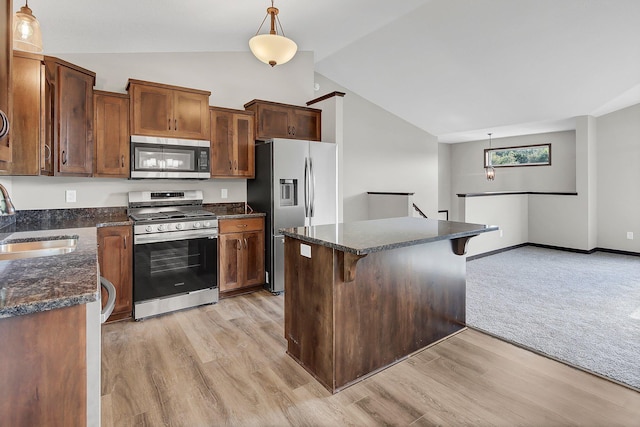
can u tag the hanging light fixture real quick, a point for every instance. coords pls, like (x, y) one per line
(489, 171)
(272, 48)
(26, 30)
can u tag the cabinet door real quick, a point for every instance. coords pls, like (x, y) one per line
(305, 125)
(6, 14)
(75, 122)
(273, 122)
(244, 145)
(254, 258)
(230, 258)
(151, 111)
(191, 115)
(27, 112)
(48, 131)
(115, 257)
(221, 144)
(111, 135)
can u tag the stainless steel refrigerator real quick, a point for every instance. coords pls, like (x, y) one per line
(296, 185)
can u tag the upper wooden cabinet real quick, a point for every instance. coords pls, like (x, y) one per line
(6, 16)
(274, 120)
(27, 127)
(170, 111)
(71, 116)
(111, 134)
(232, 143)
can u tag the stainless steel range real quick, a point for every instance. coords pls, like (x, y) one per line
(175, 252)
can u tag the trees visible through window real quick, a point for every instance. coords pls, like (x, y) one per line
(530, 155)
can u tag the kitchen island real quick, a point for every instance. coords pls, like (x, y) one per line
(362, 296)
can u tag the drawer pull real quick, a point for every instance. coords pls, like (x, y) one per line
(241, 225)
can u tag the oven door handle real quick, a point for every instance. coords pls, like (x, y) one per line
(173, 236)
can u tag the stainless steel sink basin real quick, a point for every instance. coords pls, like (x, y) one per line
(37, 248)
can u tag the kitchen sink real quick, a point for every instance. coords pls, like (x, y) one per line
(37, 248)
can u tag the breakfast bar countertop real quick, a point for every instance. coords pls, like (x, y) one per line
(31, 285)
(364, 237)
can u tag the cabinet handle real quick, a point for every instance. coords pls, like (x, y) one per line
(125, 242)
(293, 130)
(239, 245)
(245, 243)
(47, 153)
(288, 130)
(169, 124)
(230, 166)
(175, 124)
(122, 160)
(235, 164)
(241, 225)
(64, 157)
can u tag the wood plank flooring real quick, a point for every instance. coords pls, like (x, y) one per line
(225, 364)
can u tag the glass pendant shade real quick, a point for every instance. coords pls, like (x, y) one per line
(490, 172)
(273, 49)
(27, 35)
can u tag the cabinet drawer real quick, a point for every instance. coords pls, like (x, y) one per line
(240, 225)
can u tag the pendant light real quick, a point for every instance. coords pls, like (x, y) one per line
(26, 30)
(489, 171)
(273, 48)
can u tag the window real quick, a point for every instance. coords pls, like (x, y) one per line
(530, 155)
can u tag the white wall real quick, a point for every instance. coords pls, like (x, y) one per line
(467, 167)
(445, 196)
(619, 179)
(383, 153)
(234, 78)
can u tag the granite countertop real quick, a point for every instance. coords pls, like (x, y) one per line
(45, 283)
(364, 237)
(240, 216)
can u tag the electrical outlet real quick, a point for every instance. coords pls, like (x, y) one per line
(224, 193)
(630, 235)
(500, 233)
(70, 196)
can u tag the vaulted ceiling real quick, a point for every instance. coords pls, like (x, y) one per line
(455, 68)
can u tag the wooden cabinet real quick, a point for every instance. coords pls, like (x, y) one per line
(241, 255)
(232, 143)
(6, 16)
(170, 111)
(274, 120)
(71, 116)
(115, 257)
(27, 127)
(111, 134)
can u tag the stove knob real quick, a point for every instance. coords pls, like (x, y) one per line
(207, 224)
(197, 225)
(178, 226)
(161, 228)
(149, 229)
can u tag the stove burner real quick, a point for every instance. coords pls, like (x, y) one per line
(169, 215)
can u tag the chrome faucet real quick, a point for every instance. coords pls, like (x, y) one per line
(9, 209)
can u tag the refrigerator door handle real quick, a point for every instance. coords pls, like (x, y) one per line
(312, 177)
(306, 187)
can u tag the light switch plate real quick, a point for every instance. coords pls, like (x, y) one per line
(305, 250)
(630, 235)
(70, 196)
(224, 193)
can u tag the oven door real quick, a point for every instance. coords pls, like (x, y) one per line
(164, 269)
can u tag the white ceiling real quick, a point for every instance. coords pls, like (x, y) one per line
(455, 68)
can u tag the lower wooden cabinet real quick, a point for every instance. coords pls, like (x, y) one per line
(115, 257)
(241, 255)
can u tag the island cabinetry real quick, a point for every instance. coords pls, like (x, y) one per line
(115, 258)
(168, 111)
(241, 255)
(29, 149)
(43, 368)
(274, 120)
(70, 117)
(232, 143)
(111, 134)
(6, 45)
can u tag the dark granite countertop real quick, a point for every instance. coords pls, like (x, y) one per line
(45, 283)
(240, 216)
(364, 237)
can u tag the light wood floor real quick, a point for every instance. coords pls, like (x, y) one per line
(226, 364)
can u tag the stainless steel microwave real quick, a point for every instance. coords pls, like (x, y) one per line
(155, 157)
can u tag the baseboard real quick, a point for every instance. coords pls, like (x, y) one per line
(557, 248)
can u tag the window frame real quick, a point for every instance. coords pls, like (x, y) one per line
(488, 150)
